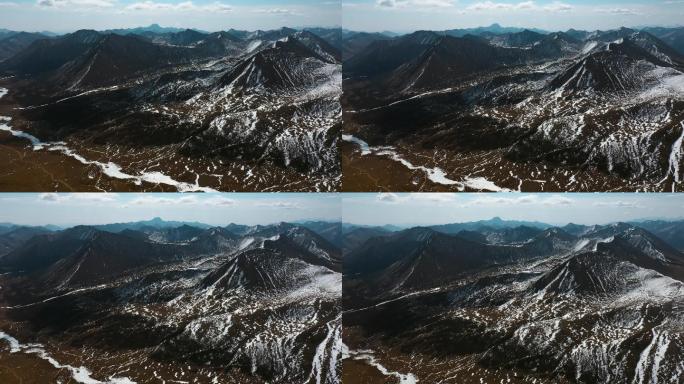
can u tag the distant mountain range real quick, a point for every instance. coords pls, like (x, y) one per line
(152, 28)
(156, 222)
(671, 35)
(666, 229)
(190, 298)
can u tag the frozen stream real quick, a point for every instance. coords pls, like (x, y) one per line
(436, 175)
(79, 374)
(110, 169)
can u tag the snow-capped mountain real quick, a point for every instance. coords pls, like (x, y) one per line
(165, 303)
(583, 304)
(518, 111)
(185, 110)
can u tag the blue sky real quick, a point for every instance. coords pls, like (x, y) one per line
(212, 15)
(559, 209)
(411, 15)
(215, 209)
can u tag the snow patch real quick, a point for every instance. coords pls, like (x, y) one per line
(79, 374)
(436, 174)
(253, 45)
(110, 169)
(368, 356)
(670, 83)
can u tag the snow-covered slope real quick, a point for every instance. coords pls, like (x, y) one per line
(217, 307)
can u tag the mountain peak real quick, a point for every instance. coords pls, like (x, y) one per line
(85, 35)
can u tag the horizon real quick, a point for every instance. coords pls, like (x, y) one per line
(65, 16)
(332, 221)
(165, 27)
(398, 33)
(409, 226)
(521, 28)
(216, 209)
(161, 219)
(555, 209)
(551, 15)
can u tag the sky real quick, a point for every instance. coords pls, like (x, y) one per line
(63, 16)
(412, 209)
(552, 15)
(402, 209)
(68, 209)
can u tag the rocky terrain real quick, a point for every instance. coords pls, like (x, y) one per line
(470, 110)
(515, 304)
(183, 110)
(170, 302)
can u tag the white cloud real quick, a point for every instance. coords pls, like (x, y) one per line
(76, 3)
(554, 200)
(556, 6)
(52, 197)
(490, 6)
(618, 11)
(423, 197)
(217, 201)
(434, 197)
(184, 6)
(158, 200)
(153, 6)
(415, 3)
(206, 201)
(280, 205)
(274, 11)
(502, 200)
(525, 5)
(558, 200)
(221, 201)
(95, 197)
(387, 197)
(220, 7)
(78, 197)
(617, 204)
(484, 199)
